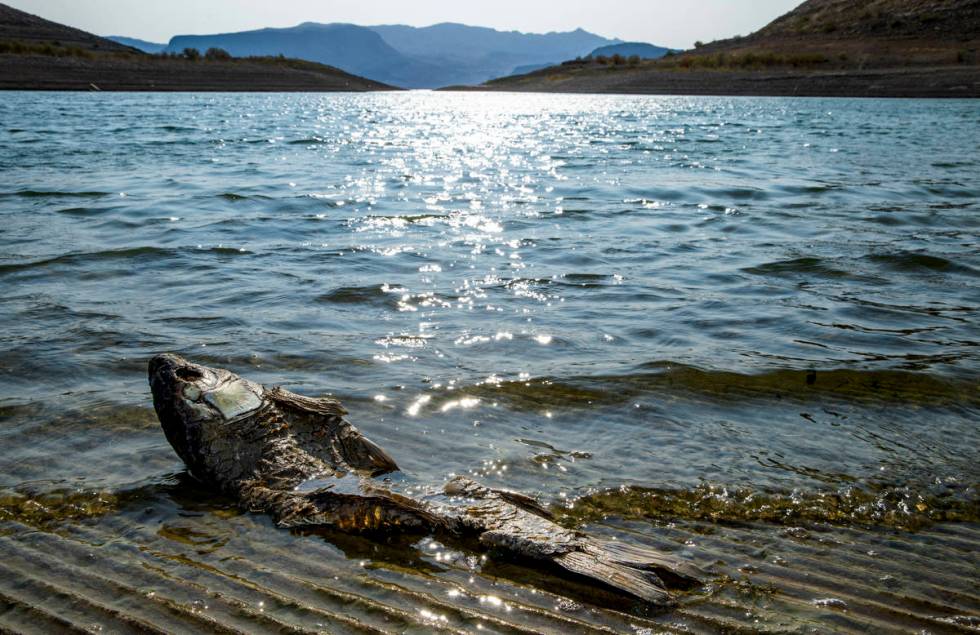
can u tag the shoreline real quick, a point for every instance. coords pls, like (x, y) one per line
(146, 74)
(942, 82)
(112, 73)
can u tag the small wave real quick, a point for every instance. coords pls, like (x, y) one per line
(576, 212)
(54, 194)
(82, 211)
(736, 193)
(225, 251)
(307, 142)
(949, 205)
(234, 196)
(170, 128)
(913, 262)
(953, 164)
(372, 295)
(95, 256)
(204, 322)
(585, 280)
(120, 225)
(278, 362)
(888, 220)
(859, 386)
(182, 143)
(808, 265)
(808, 189)
(133, 253)
(949, 189)
(871, 505)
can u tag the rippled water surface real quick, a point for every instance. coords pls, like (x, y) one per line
(744, 330)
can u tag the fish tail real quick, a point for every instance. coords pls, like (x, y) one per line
(519, 525)
(637, 571)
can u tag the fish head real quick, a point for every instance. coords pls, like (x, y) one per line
(200, 409)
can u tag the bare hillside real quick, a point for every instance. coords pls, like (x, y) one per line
(18, 26)
(878, 48)
(951, 20)
(37, 54)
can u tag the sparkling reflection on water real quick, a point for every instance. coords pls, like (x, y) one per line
(558, 294)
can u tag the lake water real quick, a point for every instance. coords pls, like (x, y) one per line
(744, 330)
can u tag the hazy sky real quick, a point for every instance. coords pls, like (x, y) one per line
(675, 23)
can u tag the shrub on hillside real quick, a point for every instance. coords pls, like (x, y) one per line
(748, 60)
(217, 55)
(51, 49)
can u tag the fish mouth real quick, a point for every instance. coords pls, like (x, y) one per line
(166, 363)
(171, 371)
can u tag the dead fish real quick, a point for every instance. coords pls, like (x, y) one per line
(300, 460)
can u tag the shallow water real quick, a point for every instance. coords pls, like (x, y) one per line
(684, 321)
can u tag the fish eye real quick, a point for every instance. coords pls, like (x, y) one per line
(188, 374)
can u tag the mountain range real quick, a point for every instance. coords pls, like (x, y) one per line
(406, 56)
(879, 48)
(625, 49)
(142, 45)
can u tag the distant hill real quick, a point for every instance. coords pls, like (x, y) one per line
(352, 48)
(629, 49)
(469, 54)
(411, 57)
(471, 43)
(143, 45)
(37, 54)
(886, 48)
(624, 49)
(530, 68)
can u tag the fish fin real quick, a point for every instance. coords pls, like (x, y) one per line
(361, 453)
(525, 502)
(318, 405)
(373, 511)
(319, 427)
